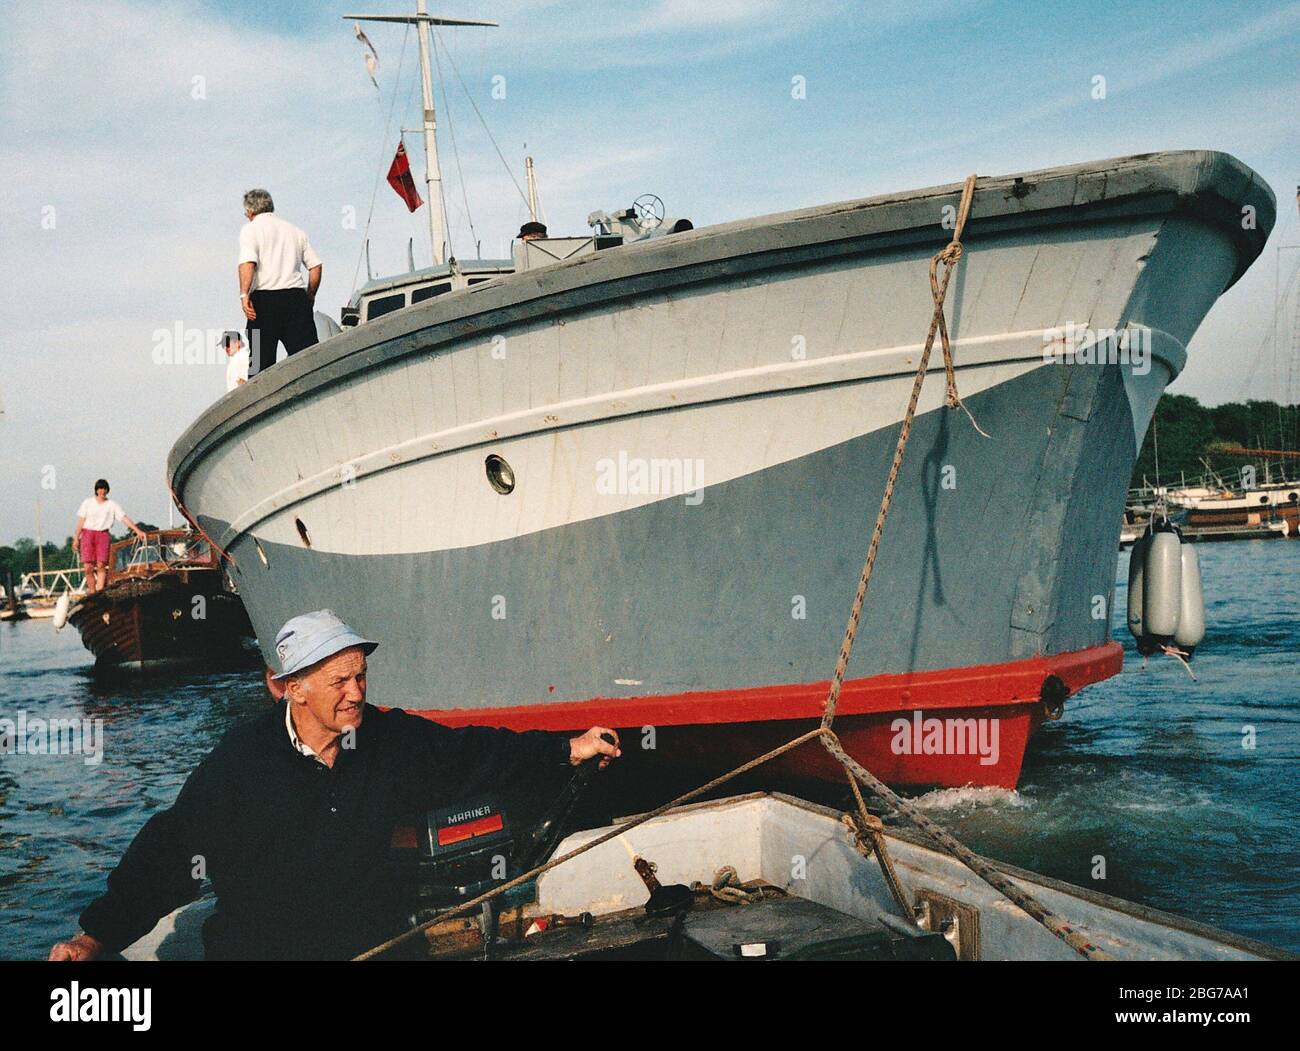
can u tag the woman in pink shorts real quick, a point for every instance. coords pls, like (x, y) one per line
(94, 517)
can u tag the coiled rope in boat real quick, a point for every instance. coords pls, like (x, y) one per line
(865, 826)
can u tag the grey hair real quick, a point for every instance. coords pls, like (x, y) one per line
(258, 201)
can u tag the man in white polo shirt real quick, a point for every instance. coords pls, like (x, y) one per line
(276, 297)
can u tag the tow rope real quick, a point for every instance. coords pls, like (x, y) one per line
(865, 824)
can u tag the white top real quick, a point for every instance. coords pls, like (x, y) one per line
(280, 250)
(99, 516)
(237, 368)
(300, 745)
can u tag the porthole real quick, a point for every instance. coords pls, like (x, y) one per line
(302, 532)
(499, 474)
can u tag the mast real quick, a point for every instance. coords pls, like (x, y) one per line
(40, 545)
(532, 188)
(432, 173)
(422, 20)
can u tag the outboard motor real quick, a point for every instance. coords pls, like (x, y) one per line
(464, 850)
(454, 854)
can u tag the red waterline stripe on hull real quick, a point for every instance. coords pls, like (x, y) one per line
(870, 739)
(977, 686)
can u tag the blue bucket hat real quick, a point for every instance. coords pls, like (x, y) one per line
(311, 637)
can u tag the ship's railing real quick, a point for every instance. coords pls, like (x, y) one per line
(51, 583)
(160, 551)
(1228, 483)
(1149, 492)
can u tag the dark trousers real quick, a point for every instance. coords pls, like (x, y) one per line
(284, 315)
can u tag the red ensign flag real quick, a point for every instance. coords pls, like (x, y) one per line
(399, 178)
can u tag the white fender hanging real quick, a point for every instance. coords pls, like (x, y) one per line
(1191, 618)
(61, 611)
(1137, 555)
(1162, 574)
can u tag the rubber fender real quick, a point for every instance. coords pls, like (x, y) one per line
(1191, 616)
(1162, 576)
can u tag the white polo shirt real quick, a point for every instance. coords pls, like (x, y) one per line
(280, 250)
(99, 516)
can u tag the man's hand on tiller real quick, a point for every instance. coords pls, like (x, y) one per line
(592, 744)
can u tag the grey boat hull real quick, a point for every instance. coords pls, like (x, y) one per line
(698, 430)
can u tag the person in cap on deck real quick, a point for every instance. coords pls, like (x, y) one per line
(91, 539)
(236, 360)
(291, 815)
(531, 231)
(276, 298)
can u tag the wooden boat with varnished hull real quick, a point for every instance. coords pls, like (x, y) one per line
(166, 599)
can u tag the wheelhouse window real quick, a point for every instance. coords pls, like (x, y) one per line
(429, 291)
(384, 305)
(138, 553)
(186, 550)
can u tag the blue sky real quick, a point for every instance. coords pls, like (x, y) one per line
(141, 165)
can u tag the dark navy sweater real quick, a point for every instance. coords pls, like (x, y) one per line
(298, 853)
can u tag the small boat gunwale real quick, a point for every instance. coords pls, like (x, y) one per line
(920, 865)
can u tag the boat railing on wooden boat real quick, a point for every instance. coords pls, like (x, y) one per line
(1266, 486)
(160, 551)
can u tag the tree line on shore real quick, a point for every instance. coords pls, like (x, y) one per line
(22, 557)
(1186, 433)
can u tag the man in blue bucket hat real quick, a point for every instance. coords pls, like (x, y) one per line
(291, 815)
